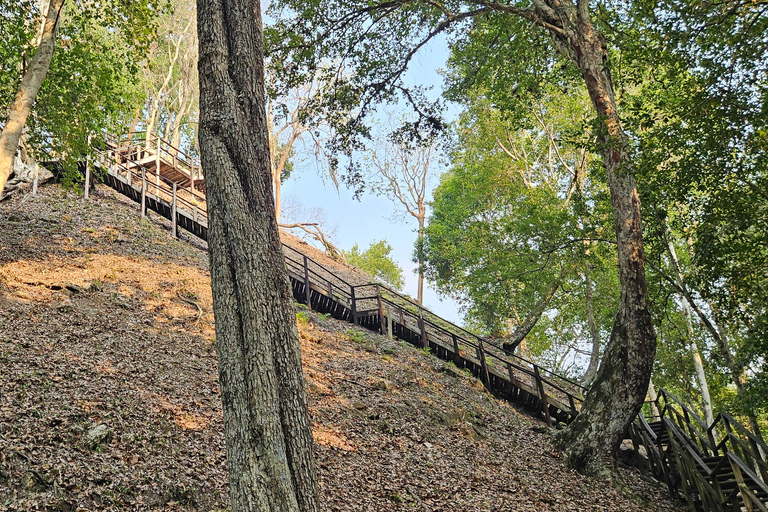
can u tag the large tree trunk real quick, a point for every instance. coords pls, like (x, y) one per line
(621, 384)
(28, 89)
(266, 420)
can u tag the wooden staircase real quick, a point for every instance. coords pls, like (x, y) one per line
(716, 468)
(128, 169)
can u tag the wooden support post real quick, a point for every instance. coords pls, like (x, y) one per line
(542, 395)
(143, 192)
(389, 322)
(511, 374)
(456, 356)
(174, 225)
(382, 321)
(307, 290)
(483, 367)
(87, 176)
(192, 177)
(354, 305)
(157, 164)
(194, 214)
(423, 329)
(330, 290)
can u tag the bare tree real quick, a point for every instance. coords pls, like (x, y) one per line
(288, 128)
(266, 419)
(403, 171)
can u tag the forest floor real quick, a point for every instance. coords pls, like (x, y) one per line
(105, 319)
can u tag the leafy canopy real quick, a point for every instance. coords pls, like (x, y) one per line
(378, 262)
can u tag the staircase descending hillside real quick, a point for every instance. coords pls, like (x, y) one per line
(718, 467)
(721, 467)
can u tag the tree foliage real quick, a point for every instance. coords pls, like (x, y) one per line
(91, 84)
(378, 262)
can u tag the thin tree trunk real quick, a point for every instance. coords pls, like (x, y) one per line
(134, 123)
(721, 341)
(617, 394)
(701, 377)
(420, 289)
(266, 421)
(594, 359)
(517, 337)
(28, 89)
(654, 398)
(156, 102)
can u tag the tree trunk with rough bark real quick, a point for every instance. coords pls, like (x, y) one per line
(622, 380)
(28, 89)
(266, 421)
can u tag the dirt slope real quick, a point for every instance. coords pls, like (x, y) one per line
(105, 319)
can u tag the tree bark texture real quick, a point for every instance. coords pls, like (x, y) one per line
(266, 421)
(28, 89)
(622, 380)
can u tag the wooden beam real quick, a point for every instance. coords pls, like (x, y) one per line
(143, 192)
(307, 290)
(457, 359)
(382, 326)
(174, 226)
(483, 366)
(542, 395)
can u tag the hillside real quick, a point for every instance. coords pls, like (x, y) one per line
(105, 319)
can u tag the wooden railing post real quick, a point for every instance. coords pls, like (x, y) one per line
(354, 305)
(143, 192)
(87, 172)
(389, 322)
(456, 356)
(174, 226)
(511, 374)
(423, 329)
(542, 395)
(382, 321)
(157, 164)
(483, 366)
(307, 290)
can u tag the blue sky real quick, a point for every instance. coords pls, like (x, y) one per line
(370, 219)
